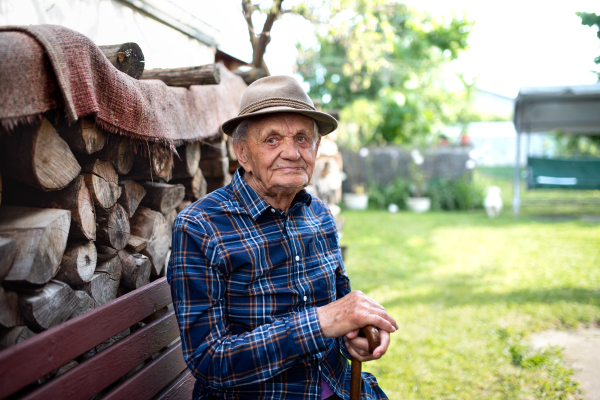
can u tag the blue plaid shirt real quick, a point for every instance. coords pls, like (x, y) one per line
(246, 280)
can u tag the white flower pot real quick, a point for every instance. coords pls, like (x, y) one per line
(418, 204)
(354, 201)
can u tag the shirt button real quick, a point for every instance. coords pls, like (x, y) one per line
(305, 298)
(272, 210)
(297, 258)
(319, 367)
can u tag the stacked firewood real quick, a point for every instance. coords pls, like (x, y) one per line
(86, 216)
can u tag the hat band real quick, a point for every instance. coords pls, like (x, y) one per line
(275, 102)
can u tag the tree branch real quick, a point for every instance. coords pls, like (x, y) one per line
(265, 37)
(247, 10)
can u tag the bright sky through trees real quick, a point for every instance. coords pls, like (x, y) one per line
(514, 43)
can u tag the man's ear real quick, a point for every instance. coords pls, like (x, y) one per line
(317, 146)
(239, 148)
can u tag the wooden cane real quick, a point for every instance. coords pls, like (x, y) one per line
(372, 335)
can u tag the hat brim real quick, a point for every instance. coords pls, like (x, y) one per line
(325, 122)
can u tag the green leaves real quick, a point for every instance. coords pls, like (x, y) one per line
(591, 19)
(391, 56)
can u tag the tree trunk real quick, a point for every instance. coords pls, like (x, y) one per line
(186, 77)
(75, 198)
(136, 270)
(48, 306)
(162, 197)
(158, 166)
(105, 282)
(14, 336)
(102, 182)
(152, 226)
(127, 57)
(84, 136)
(136, 244)
(41, 238)
(132, 194)
(38, 156)
(10, 315)
(78, 263)
(251, 75)
(195, 187)
(113, 227)
(8, 249)
(189, 163)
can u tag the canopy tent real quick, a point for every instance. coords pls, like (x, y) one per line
(572, 109)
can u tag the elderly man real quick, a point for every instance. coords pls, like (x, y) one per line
(258, 284)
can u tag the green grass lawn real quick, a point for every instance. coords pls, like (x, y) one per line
(466, 291)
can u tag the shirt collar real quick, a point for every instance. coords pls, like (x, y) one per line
(255, 204)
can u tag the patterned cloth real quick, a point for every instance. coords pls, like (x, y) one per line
(47, 66)
(246, 280)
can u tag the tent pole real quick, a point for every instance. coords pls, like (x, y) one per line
(517, 183)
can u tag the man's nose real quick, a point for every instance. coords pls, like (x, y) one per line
(289, 149)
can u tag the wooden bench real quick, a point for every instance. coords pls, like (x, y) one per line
(165, 376)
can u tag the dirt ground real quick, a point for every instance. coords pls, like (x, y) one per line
(582, 350)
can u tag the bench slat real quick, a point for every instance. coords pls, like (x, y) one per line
(27, 361)
(181, 389)
(152, 378)
(99, 371)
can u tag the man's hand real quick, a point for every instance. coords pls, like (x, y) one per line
(344, 317)
(358, 347)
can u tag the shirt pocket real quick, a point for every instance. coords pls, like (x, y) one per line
(321, 266)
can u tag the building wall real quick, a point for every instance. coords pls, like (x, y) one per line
(113, 22)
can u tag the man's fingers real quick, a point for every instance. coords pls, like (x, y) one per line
(353, 334)
(382, 348)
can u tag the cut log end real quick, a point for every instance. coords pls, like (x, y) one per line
(38, 156)
(41, 237)
(126, 57)
(113, 227)
(78, 263)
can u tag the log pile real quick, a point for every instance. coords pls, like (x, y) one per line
(84, 219)
(85, 214)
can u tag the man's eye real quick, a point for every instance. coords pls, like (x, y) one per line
(301, 139)
(271, 141)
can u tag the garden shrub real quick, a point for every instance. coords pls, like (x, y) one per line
(454, 194)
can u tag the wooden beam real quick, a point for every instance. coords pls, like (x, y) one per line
(186, 77)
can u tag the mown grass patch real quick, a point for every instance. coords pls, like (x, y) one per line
(466, 292)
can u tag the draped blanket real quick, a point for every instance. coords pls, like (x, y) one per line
(43, 67)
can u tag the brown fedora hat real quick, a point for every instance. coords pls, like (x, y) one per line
(276, 94)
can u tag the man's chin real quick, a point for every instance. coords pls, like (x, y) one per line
(299, 182)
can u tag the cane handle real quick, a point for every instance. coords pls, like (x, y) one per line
(372, 335)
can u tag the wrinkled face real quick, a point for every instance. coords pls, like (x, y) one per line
(279, 152)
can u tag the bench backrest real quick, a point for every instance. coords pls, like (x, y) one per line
(164, 377)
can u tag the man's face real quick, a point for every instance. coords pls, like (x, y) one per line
(279, 153)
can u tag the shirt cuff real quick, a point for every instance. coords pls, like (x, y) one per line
(344, 349)
(306, 332)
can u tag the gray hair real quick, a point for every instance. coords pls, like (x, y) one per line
(240, 131)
